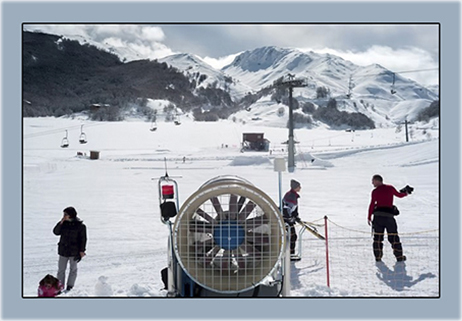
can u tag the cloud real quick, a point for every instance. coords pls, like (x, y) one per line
(152, 34)
(131, 41)
(317, 36)
(219, 63)
(395, 59)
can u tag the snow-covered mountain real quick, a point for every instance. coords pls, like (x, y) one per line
(370, 86)
(205, 75)
(367, 90)
(118, 48)
(435, 89)
(260, 67)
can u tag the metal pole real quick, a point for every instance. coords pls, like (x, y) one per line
(286, 284)
(171, 266)
(327, 251)
(300, 240)
(407, 134)
(291, 160)
(280, 191)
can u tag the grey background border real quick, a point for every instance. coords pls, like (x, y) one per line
(445, 13)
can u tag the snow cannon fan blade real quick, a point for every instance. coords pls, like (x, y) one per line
(229, 236)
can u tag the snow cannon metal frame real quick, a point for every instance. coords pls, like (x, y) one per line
(229, 239)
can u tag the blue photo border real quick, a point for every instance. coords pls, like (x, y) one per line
(447, 14)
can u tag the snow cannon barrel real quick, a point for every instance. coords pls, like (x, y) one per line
(229, 237)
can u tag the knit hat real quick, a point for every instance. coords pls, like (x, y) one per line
(70, 211)
(294, 184)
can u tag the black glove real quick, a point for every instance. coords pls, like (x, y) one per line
(77, 258)
(290, 220)
(407, 189)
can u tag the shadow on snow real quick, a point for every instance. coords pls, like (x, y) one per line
(397, 279)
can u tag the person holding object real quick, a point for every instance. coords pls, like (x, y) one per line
(71, 246)
(382, 208)
(290, 212)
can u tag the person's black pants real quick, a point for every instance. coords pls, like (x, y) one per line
(293, 239)
(380, 224)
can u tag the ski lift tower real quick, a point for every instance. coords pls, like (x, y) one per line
(291, 82)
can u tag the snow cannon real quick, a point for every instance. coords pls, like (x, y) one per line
(228, 240)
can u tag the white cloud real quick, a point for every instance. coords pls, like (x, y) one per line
(402, 59)
(219, 63)
(152, 34)
(130, 41)
(114, 42)
(65, 30)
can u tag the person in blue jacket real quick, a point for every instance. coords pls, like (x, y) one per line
(290, 211)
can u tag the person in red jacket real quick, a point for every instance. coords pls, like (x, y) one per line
(382, 208)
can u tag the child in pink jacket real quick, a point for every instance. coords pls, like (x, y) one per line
(49, 287)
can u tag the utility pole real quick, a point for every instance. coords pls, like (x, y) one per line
(350, 86)
(291, 159)
(407, 132)
(291, 83)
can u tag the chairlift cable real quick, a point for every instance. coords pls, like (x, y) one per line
(418, 70)
(396, 72)
(57, 130)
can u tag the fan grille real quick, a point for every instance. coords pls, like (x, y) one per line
(229, 237)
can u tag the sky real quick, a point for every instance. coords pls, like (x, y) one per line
(398, 47)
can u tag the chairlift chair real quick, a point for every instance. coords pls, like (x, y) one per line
(65, 142)
(177, 120)
(153, 127)
(83, 136)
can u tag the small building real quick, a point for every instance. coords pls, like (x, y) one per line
(96, 107)
(255, 142)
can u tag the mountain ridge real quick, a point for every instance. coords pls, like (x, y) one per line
(190, 83)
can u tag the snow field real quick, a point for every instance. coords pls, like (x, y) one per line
(117, 198)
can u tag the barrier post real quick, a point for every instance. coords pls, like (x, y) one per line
(280, 166)
(327, 251)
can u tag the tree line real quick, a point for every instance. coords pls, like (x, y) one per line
(62, 76)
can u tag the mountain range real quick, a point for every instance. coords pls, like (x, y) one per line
(358, 89)
(383, 96)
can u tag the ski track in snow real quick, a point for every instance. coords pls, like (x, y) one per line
(117, 198)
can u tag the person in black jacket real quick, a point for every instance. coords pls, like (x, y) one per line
(290, 212)
(71, 246)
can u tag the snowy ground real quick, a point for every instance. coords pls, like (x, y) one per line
(117, 198)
